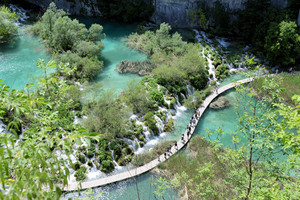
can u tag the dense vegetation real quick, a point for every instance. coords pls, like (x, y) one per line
(77, 48)
(8, 29)
(176, 62)
(252, 167)
(272, 32)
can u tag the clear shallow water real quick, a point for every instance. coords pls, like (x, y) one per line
(127, 190)
(17, 61)
(115, 50)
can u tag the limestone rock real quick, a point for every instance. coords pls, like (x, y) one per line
(137, 67)
(220, 103)
(74, 7)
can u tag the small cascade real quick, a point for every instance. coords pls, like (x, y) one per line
(178, 104)
(211, 69)
(223, 42)
(183, 96)
(2, 127)
(129, 142)
(21, 13)
(113, 157)
(160, 123)
(189, 92)
(76, 120)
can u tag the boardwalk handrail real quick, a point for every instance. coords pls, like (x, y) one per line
(147, 167)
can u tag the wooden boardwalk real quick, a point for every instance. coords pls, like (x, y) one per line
(147, 167)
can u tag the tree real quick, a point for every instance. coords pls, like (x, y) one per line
(108, 117)
(8, 30)
(46, 25)
(282, 43)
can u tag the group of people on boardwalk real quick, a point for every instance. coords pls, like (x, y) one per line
(193, 122)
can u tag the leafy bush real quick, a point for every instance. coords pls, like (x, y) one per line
(80, 174)
(151, 122)
(169, 126)
(222, 71)
(141, 159)
(8, 30)
(107, 166)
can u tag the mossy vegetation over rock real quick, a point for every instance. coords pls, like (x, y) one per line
(141, 159)
(137, 67)
(169, 126)
(220, 103)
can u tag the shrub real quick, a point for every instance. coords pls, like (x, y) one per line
(107, 166)
(80, 174)
(169, 126)
(81, 158)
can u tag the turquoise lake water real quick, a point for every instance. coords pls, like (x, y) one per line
(17, 61)
(17, 67)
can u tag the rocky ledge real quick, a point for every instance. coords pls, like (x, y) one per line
(138, 67)
(220, 103)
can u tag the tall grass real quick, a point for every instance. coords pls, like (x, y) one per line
(289, 82)
(201, 153)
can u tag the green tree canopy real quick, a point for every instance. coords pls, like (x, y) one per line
(8, 30)
(282, 44)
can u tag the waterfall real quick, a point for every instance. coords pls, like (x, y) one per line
(2, 127)
(113, 157)
(183, 96)
(189, 92)
(21, 13)
(178, 104)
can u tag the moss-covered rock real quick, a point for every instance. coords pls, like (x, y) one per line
(80, 174)
(220, 103)
(90, 163)
(107, 166)
(141, 143)
(169, 126)
(81, 158)
(76, 166)
(151, 122)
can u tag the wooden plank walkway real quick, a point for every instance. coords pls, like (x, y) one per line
(147, 167)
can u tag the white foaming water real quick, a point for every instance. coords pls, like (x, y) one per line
(2, 127)
(21, 13)
(180, 110)
(223, 42)
(76, 120)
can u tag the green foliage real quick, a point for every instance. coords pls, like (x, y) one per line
(159, 42)
(195, 100)
(8, 30)
(107, 166)
(222, 71)
(169, 126)
(198, 17)
(141, 159)
(108, 116)
(136, 97)
(287, 85)
(80, 174)
(151, 122)
(282, 43)
(160, 186)
(76, 48)
(290, 121)
(74, 66)
(220, 17)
